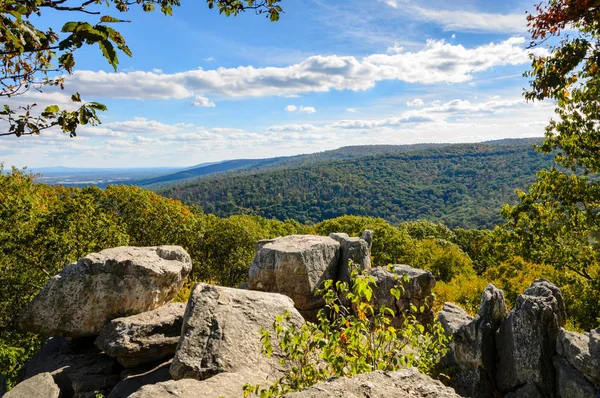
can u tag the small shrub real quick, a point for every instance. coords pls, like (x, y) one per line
(350, 340)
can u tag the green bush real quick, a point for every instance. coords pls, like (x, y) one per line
(350, 340)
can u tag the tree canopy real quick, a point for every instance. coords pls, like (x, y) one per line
(557, 221)
(35, 58)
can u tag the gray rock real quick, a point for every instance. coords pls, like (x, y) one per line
(221, 332)
(351, 249)
(226, 385)
(39, 386)
(367, 236)
(473, 349)
(570, 384)
(295, 265)
(147, 337)
(418, 285)
(452, 317)
(102, 286)
(526, 340)
(406, 383)
(77, 366)
(576, 348)
(134, 379)
(529, 390)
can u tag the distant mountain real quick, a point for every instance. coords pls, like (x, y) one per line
(460, 185)
(241, 165)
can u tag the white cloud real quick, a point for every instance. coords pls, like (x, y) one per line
(307, 109)
(387, 122)
(458, 120)
(142, 125)
(291, 127)
(469, 21)
(437, 62)
(396, 49)
(157, 70)
(203, 102)
(415, 102)
(464, 20)
(209, 59)
(351, 110)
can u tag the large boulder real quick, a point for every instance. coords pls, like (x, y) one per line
(295, 266)
(581, 351)
(221, 332)
(223, 385)
(102, 286)
(39, 386)
(417, 287)
(351, 249)
(570, 383)
(406, 383)
(472, 349)
(77, 366)
(134, 379)
(144, 338)
(526, 340)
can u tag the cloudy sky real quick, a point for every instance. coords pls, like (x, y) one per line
(201, 87)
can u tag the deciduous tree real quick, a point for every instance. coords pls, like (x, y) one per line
(36, 58)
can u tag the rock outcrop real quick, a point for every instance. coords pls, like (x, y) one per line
(131, 380)
(355, 250)
(225, 385)
(295, 266)
(406, 383)
(144, 338)
(39, 386)
(417, 287)
(473, 349)
(102, 286)
(582, 352)
(221, 332)
(526, 340)
(570, 383)
(77, 366)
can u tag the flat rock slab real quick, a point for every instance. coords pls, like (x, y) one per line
(143, 338)
(225, 385)
(221, 332)
(39, 386)
(295, 266)
(405, 383)
(77, 366)
(102, 286)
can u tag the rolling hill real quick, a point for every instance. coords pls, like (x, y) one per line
(461, 185)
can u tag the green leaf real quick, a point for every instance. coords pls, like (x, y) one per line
(52, 109)
(109, 53)
(70, 26)
(76, 98)
(108, 18)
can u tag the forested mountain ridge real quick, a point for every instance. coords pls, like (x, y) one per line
(244, 165)
(461, 185)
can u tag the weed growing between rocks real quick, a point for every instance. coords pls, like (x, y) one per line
(351, 338)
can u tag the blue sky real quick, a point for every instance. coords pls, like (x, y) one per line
(201, 87)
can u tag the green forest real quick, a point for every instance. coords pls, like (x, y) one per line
(43, 228)
(462, 185)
